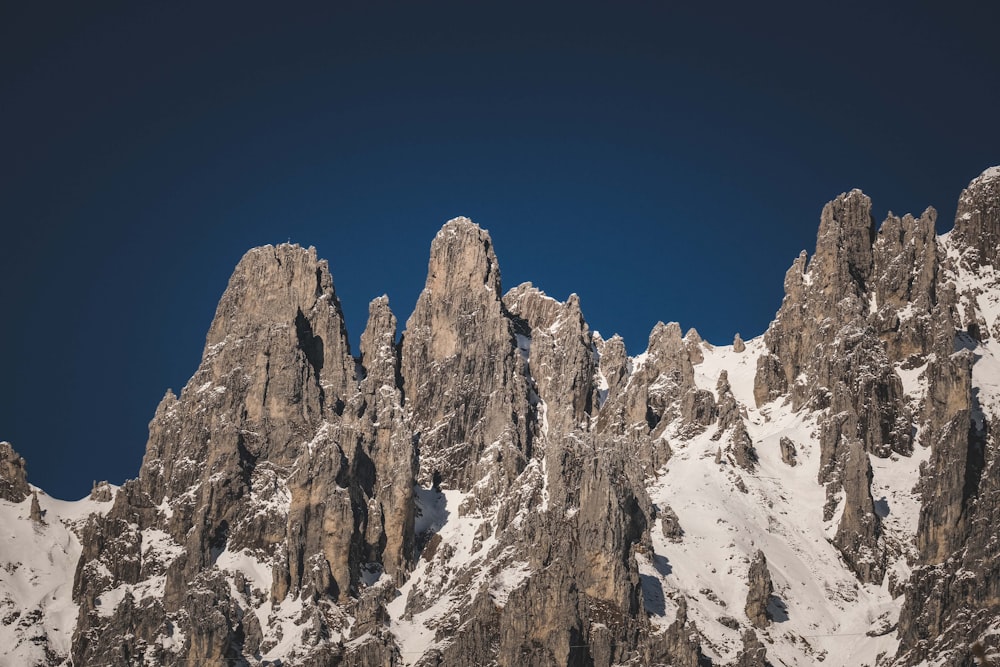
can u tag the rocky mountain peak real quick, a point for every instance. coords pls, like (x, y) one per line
(460, 344)
(695, 344)
(378, 344)
(842, 264)
(462, 260)
(277, 358)
(485, 489)
(270, 284)
(275, 453)
(281, 301)
(666, 341)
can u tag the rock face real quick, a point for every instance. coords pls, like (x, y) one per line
(279, 494)
(905, 285)
(660, 393)
(268, 456)
(460, 345)
(731, 421)
(101, 492)
(485, 490)
(859, 531)
(953, 595)
(977, 220)
(13, 476)
(391, 445)
(867, 308)
(947, 498)
(863, 304)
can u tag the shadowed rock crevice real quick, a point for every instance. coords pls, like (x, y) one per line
(310, 344)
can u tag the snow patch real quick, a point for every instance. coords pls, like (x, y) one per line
(508, 580)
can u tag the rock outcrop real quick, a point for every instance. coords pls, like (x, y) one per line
(977, 220)
(754, 653)
(660, 393)
(859, 531)
(559, 350)
(102, 492)
(13, 475)
(947, 493)
(788, 451)
(760, 591)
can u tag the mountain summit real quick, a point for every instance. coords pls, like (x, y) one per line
(502, 486)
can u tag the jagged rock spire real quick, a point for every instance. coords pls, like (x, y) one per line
(262, 453)
(389, 445)
(559, 348)
(459, 348)
(276, 357)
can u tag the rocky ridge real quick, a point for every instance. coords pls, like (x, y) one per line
(502, 486)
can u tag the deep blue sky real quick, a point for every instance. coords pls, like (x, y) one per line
(664, 161)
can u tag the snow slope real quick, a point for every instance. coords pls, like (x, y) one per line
(37, 564)
(820, 611)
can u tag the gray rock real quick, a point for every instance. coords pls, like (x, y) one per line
(273, 447)
(818, 304)
(560, 361)
(388, 444)
(729, 622)
(730, 420)
(904, 287)
(613, 364)
(679, 645)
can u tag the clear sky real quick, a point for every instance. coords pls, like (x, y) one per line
(664, 160)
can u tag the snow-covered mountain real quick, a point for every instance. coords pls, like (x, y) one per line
(504, 486)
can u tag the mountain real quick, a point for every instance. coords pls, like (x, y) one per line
(501, 485)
